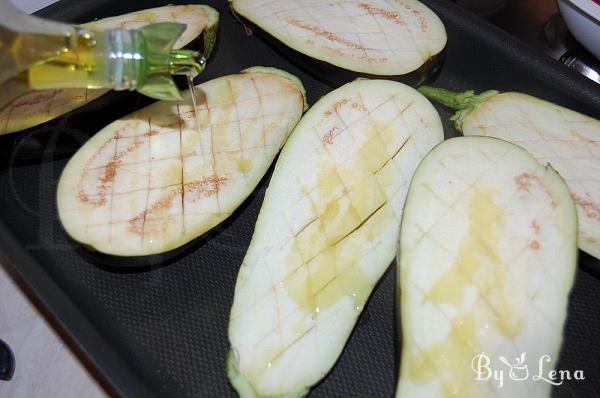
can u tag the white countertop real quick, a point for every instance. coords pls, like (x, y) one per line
(32, 5)
(45, 366)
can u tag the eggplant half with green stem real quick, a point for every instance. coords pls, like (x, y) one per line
(486, 261)
(159, 178)
(326, 232)
(342, 40)
(37, 107)
(567, 140)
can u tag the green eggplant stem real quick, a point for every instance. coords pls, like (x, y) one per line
(463, 103)
(450, 99)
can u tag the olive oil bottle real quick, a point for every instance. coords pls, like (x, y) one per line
(36, 54)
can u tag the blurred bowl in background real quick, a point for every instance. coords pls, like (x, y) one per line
(582, 17)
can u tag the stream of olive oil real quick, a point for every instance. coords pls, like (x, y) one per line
(190, 80)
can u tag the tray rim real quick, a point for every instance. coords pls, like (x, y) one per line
(62, 312)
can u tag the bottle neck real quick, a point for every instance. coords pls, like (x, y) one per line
(135, 62)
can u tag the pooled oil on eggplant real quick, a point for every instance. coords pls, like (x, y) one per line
(329, 248)
(332, 274)
(486, 290)
(477, 264)
(333, 270)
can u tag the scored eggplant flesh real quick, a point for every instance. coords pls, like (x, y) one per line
(342, 40)
(41, 106)
(155, 180)
(326, 232)
(487, 258)
(567, 140)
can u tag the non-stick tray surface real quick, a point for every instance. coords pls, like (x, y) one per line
(162, 330)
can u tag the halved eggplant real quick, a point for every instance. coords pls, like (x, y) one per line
(487, 257)
(340, 41)
(157, 179)
(567, 140)
(326, 232)
(40, 106)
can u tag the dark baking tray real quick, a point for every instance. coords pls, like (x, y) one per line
(162, 330)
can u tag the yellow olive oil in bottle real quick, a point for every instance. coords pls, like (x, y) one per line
(38, 55)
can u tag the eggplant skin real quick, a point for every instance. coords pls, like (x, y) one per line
(245, 389)
(38, 107)
(326, 232)
(486, 260)
(159, 178)
(335, 70)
